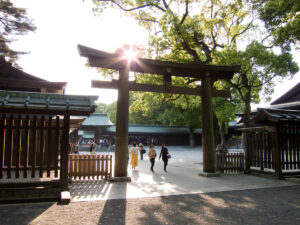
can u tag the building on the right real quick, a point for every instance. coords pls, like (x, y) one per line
(272, 141)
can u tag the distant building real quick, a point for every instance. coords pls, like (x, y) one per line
(99, 127)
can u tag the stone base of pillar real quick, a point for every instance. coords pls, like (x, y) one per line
(65, 197)
(211, 174)
(120, 179)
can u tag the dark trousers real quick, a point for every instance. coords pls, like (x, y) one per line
(165, 164)
(152, 163)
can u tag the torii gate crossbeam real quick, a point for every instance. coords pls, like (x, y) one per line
(207, 73)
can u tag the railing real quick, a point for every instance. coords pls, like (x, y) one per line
(90, 166)
(230, 162)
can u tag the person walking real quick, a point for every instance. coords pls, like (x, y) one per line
(134, 156)
(152, 156)
(93, 148)
(142, 150)
(164, 154)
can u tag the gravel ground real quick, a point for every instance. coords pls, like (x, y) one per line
(256, 206)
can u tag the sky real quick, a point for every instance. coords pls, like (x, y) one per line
(62, 24)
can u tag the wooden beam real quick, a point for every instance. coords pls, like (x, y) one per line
(159, 88)
(32, 84)
(97, 58)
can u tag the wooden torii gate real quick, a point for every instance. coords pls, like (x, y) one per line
(207, 73)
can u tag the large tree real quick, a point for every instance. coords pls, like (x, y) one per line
(209, 32)
(13, 22)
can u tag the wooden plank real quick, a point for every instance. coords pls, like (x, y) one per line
(18, 146)
(102, 166)
(94, 166)
(114, 84)
(88, 169)
(42, 124)
(49, 143)
(106, 167)
(56, 146)
(110, 167)
(76, 162)
(26, 146)
(10, 146)
(2, 143)
(81, 166)
(33, 147)
(98, 160)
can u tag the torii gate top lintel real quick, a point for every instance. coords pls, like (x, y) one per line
(107, 60)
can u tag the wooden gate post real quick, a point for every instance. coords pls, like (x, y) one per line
(277, 152)
(64, 151)
(209, 155)
(246, 140)
(121, 151)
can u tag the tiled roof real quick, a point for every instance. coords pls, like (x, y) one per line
(152, 129)
(268, 115)
(292, 95)
(75, 104)
(97, 119)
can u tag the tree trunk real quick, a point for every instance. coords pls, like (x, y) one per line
(216, 130)
(192, 138)
(247, 112)
(223, 132)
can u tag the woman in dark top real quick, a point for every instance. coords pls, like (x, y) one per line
(164, 155)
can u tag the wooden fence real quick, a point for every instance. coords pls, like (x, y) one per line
(273, 149)
(230, 162)
(30, 149)
(90, 166)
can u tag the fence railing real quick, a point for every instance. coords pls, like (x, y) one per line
(90, 166)
(230, 162)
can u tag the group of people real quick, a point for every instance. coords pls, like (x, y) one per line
(164, 155)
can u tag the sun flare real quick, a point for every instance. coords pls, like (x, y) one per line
(130, 53)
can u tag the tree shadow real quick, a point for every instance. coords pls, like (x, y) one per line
(22, 214)
(114, 211)
(258, 206)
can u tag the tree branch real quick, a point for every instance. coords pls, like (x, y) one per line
(134, 8)
(247, 28)
(186, 11)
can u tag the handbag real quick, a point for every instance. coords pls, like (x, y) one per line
(169, 156)
(143, 151)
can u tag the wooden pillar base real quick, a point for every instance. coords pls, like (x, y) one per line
(206, 174)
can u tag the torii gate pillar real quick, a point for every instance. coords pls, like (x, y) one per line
(207, 126)
(121, 150)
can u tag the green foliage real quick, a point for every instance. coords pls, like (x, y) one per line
(13, 21)
(204, 32)
(111, 111)
(101, 108)
(282, 19)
